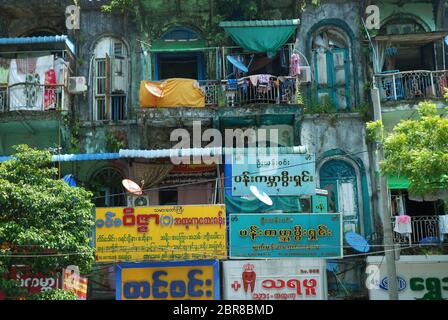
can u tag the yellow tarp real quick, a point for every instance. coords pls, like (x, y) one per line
(176, 92)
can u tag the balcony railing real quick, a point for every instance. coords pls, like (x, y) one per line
(423, 227)
(268, 90)
(411, 85)
(33, 97)
(3, 98)
(211, 89)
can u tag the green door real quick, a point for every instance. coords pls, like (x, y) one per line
(339, 179)
(332, 77)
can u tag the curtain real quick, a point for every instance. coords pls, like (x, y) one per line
(152, 174)
(379, 56)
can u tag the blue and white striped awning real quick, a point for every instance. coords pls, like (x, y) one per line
(46, 39)
(158, 153)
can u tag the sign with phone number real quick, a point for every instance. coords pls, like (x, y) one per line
(314, 235)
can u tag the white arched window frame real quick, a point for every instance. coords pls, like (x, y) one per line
(110, 80)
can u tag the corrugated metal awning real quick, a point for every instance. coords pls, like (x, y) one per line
(34, 40)
(414, 38)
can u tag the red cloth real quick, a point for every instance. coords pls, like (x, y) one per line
(50, 91)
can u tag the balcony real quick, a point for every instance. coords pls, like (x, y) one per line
(271, 90)
(412, 85)
(33, 97)
(425, 230)
(232, 93)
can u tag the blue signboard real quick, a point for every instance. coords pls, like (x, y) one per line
(276, 175)
(314, 235)
(176, 280)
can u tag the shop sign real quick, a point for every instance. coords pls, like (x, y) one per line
(298, 279)
(315, 235)
(184, 280)
(278, 175)
(160, 233)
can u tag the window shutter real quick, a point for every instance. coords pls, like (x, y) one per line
(108, 85)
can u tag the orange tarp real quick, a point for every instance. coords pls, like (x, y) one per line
(176, 92)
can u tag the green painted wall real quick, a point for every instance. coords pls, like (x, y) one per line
(423, 10)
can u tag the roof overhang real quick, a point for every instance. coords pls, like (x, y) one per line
(413, 38)
(63, 39)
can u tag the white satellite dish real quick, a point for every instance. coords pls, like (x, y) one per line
(262, 196)
(132, 187)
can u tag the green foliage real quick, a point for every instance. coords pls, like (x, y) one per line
(44, 223)
(118, 5)
(418, 150)
(9, 287)
(114, 141)
(375, 131)
(74, 128)
(56, 294)
(325, 105)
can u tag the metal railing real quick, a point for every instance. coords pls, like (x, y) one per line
(260, 90)
(423, 227)
(33, 97)
(211, 89)
(3, 98)
(410, 85)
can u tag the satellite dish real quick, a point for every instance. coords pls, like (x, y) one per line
(237, 64)
(132, 187)
(357, 242)
(262, 196)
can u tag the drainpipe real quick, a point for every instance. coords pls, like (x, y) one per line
(384, 209)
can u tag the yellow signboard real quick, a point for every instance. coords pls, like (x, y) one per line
(184, 280)
(160, 233)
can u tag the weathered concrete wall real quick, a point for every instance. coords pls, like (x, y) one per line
(94, 26)
(341, 14)
(343, 132)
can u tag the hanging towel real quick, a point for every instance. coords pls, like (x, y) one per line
(254, 80)
(403, 224)
(50, 91)
(443, 224)
(294, 65)
(4, 70)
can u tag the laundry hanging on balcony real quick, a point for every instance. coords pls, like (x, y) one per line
(26, 82)
(175, 92)
(4, 70)
(262, 35)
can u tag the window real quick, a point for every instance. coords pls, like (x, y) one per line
(111, 80)
(185, 63)
(332, 68)
(401, 26)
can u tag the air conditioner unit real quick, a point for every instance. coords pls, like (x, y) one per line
(77, 85)
(305, 74)
(138, 201)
